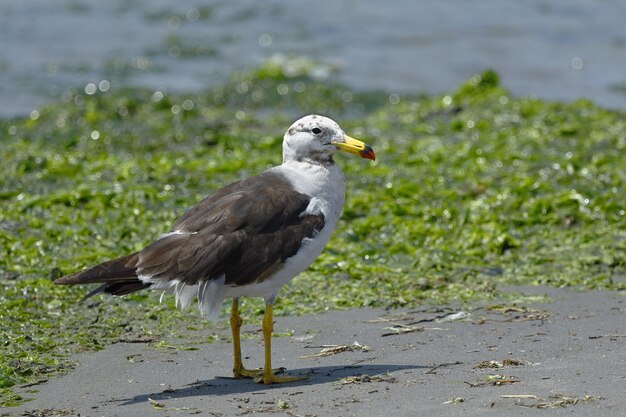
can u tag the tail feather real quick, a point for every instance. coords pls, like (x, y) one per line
(117, 288)
(115, 270)
(118, 277)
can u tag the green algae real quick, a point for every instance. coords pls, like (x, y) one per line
(472, 191)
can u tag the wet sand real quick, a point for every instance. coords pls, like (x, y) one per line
(566, 356)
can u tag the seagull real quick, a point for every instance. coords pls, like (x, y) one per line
(248, 239)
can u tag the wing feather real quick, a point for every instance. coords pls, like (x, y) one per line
(244, 233)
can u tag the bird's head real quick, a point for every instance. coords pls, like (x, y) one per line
(317, 138)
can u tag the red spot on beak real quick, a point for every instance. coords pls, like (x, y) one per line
(368, 153)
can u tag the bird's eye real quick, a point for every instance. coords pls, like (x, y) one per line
(316, 130)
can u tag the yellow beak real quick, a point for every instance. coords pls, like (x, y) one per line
(356, 147)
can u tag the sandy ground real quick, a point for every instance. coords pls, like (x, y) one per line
(563, 357)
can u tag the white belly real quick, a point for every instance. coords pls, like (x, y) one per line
(307, 254)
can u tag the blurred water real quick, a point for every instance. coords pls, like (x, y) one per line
(558, 49)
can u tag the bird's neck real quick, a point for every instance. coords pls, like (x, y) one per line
(324, 181)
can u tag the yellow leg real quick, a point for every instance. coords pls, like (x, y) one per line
(235, 325)
(269, 377)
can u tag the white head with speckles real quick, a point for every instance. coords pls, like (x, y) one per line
(316, 138)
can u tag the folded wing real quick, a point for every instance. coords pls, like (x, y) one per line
(244, 233)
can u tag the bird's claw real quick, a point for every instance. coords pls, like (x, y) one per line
(272, 378)
(243, 373)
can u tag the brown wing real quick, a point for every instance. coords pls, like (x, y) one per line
(244, 232)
